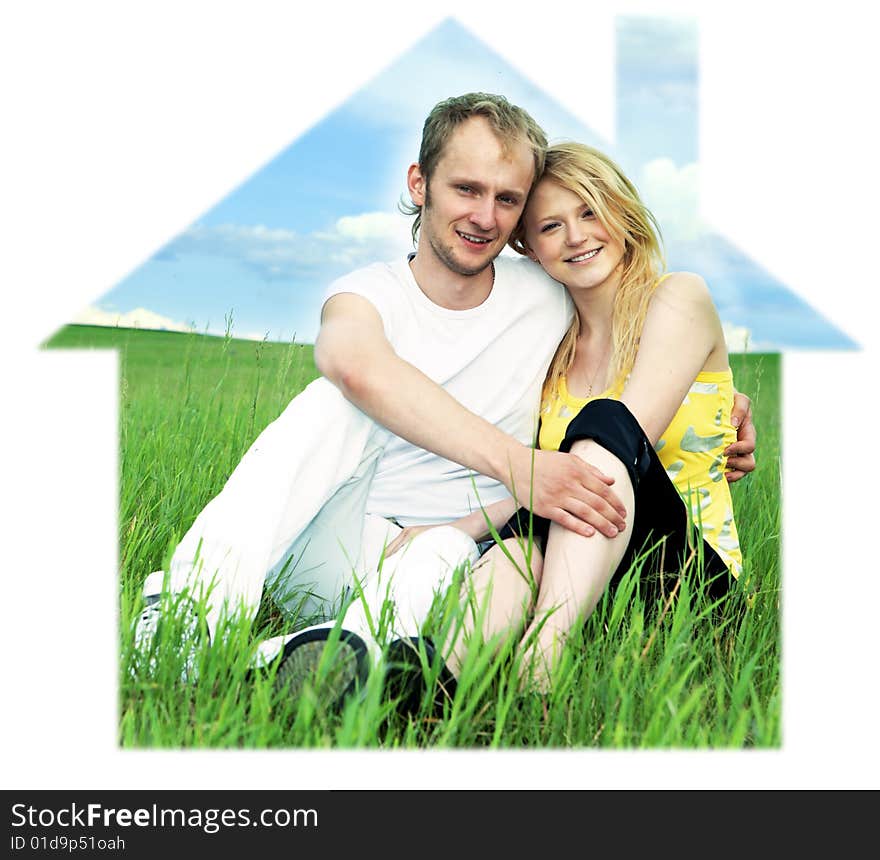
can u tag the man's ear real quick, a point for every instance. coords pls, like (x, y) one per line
(416, 184)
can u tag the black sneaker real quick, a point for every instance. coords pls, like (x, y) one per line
(333, 684)
(405, 677)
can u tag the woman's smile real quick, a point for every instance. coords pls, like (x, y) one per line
(585, 257)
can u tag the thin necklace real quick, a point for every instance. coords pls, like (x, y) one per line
(598, 368)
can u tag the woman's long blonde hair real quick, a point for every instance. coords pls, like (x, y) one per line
(602, 185)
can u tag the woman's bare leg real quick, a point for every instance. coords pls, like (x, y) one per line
(498, 595)
(576, 572)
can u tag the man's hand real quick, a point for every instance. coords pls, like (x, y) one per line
(741, 454)
(568, 491)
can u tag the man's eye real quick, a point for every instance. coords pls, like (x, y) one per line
(509, 201)
(465, 188)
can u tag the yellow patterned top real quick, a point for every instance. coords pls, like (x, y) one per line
(691, 450)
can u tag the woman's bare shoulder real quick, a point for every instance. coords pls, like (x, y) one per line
(682, 292)
(688, 286)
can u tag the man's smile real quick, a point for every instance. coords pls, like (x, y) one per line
(476, 240)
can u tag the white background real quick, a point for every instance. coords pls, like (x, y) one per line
(123, 124)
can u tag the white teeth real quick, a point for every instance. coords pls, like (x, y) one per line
(586, 256)
(478, 239)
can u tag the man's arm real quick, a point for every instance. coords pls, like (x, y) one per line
(353, 353)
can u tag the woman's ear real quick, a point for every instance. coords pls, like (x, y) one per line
(416, 185)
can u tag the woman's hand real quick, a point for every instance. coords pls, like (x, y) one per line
(405, 537)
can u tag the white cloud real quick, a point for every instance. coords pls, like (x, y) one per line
(138, 318)
(354, 240)
(738, 337)
(673, 194)
(372, 226)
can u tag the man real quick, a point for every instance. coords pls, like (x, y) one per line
(439, 360)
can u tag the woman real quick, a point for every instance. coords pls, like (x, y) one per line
(643, 367)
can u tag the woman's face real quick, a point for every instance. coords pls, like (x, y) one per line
(567, 239)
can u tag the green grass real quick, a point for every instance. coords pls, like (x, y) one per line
(639, 676)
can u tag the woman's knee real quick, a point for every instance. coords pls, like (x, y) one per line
(593, 452)
(596, 455)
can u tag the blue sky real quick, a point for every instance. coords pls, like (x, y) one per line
(328, 202)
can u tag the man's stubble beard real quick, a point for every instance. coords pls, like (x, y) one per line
(444, 253)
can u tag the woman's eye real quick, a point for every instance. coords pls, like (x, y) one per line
(548, 227)
(588, 213)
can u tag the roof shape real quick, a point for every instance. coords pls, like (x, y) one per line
(326, 203)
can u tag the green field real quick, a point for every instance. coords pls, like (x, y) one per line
(638, 677)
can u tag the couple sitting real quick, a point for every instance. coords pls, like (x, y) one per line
(387, 473)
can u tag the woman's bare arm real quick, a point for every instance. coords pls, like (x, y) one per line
(682, 335)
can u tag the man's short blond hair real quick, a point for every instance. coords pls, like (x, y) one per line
(510, 123)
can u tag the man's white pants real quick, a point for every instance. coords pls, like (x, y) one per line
(409, 579)
(406, 582)
(289, 515)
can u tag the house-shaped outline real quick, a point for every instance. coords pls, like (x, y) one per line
(809, 771)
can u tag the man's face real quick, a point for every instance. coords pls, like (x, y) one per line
(477, 193)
